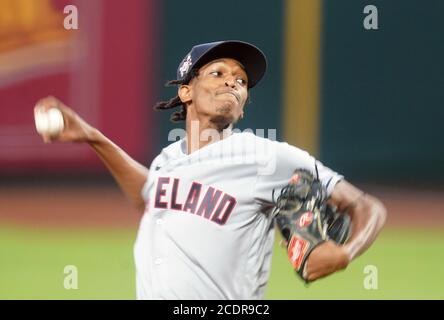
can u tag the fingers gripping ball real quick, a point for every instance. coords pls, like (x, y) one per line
(49, 122)
(306, 220)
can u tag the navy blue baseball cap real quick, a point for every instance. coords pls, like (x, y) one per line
(251, 57)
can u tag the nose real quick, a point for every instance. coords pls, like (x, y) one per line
(230, 82)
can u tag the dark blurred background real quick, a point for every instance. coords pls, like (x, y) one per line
(374, 100)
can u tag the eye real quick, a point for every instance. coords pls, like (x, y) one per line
(216, 73)
(242, 81)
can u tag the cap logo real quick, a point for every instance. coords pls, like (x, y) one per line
(185, 65)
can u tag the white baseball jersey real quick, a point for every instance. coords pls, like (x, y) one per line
(207, 232)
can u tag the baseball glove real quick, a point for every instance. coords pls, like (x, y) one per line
(306, 220)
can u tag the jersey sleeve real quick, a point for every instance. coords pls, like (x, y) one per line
(145, 188)
(144, 191)
(282, 160)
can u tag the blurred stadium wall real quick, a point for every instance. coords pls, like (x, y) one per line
(366, 102)
(382, 91)
(100, 70)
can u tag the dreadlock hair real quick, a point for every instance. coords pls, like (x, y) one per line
(180, 115)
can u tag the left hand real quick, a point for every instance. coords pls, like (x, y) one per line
(326, 259)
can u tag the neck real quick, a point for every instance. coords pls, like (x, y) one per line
(201, 132)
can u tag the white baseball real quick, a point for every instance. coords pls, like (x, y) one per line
(49, 122)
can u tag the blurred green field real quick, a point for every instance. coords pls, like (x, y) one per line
(409, 265)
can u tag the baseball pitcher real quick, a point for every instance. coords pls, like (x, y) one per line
(212, 201)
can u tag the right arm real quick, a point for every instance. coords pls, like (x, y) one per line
(129, 174)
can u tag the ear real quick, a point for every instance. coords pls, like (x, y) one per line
(184, 93)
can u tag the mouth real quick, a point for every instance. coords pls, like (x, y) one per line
(231, 92)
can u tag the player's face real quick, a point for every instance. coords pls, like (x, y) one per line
(220, 90)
